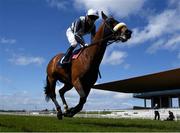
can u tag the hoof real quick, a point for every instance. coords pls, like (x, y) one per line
(59, 115)
(65, 109)
(69, 113)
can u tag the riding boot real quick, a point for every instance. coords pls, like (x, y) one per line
(67, 56)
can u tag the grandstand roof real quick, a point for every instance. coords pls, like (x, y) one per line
(165, 93)
(167, 80)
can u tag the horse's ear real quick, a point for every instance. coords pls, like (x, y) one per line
(104, 16)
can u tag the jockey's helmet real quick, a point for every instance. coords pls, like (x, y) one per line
(92, 13)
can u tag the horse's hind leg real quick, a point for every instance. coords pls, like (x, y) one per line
(62, 91)
(83, 96)
(50, 92)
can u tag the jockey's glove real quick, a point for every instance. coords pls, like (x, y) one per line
(86, 44)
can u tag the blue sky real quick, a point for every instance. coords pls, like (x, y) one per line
(33, 31)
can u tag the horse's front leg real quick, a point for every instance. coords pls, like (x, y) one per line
(62, 91)
(83, 96)
(72, 111)
(78, 107)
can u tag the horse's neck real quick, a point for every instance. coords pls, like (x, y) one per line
(97, 50)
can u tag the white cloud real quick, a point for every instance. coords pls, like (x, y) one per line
(174, 3)
(4, 40)
(100, 92)
(121, 8)
(173, 43)
(158, 26)
(162, 30)
(123, 95)
(171, 2)
(59, 4)
(26, 100)
(154, 47)
(99, 99)
(114, 58)
(26, 60)
(22, 100)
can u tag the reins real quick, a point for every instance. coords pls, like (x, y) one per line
(101, 40)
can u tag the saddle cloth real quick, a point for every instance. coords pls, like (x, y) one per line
(76, 53)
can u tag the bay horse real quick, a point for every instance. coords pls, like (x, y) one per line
(82, 72)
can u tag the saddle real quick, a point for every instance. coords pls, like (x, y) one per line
(74, 56)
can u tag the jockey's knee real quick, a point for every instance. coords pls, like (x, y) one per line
(74, 44)
(71, 38)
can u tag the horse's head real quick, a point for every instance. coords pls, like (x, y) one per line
(115, 30)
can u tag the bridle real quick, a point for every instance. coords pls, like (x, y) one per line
(113, 34)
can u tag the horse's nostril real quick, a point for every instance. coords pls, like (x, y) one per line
(128, 33)
(128, 36)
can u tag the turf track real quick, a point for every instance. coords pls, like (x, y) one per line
(46, 124)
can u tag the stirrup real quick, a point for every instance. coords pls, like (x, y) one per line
(62, 62)
(59, 63)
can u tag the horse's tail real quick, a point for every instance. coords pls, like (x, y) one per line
(47, 89)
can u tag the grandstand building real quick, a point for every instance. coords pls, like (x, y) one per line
(159, 87)
(162, 98)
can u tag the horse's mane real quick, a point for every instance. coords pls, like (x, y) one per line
(96, 37)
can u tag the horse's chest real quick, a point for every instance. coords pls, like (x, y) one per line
(91, 75)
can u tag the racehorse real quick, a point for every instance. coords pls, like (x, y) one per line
(82, 72)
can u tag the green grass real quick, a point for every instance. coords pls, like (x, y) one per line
(9, 123)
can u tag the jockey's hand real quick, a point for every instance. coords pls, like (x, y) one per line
(86, 44)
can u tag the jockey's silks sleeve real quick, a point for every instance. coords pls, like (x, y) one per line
(77, 32)
(79, 39)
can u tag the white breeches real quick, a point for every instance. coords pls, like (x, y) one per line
(71, 37)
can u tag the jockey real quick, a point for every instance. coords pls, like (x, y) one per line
(84, 25)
